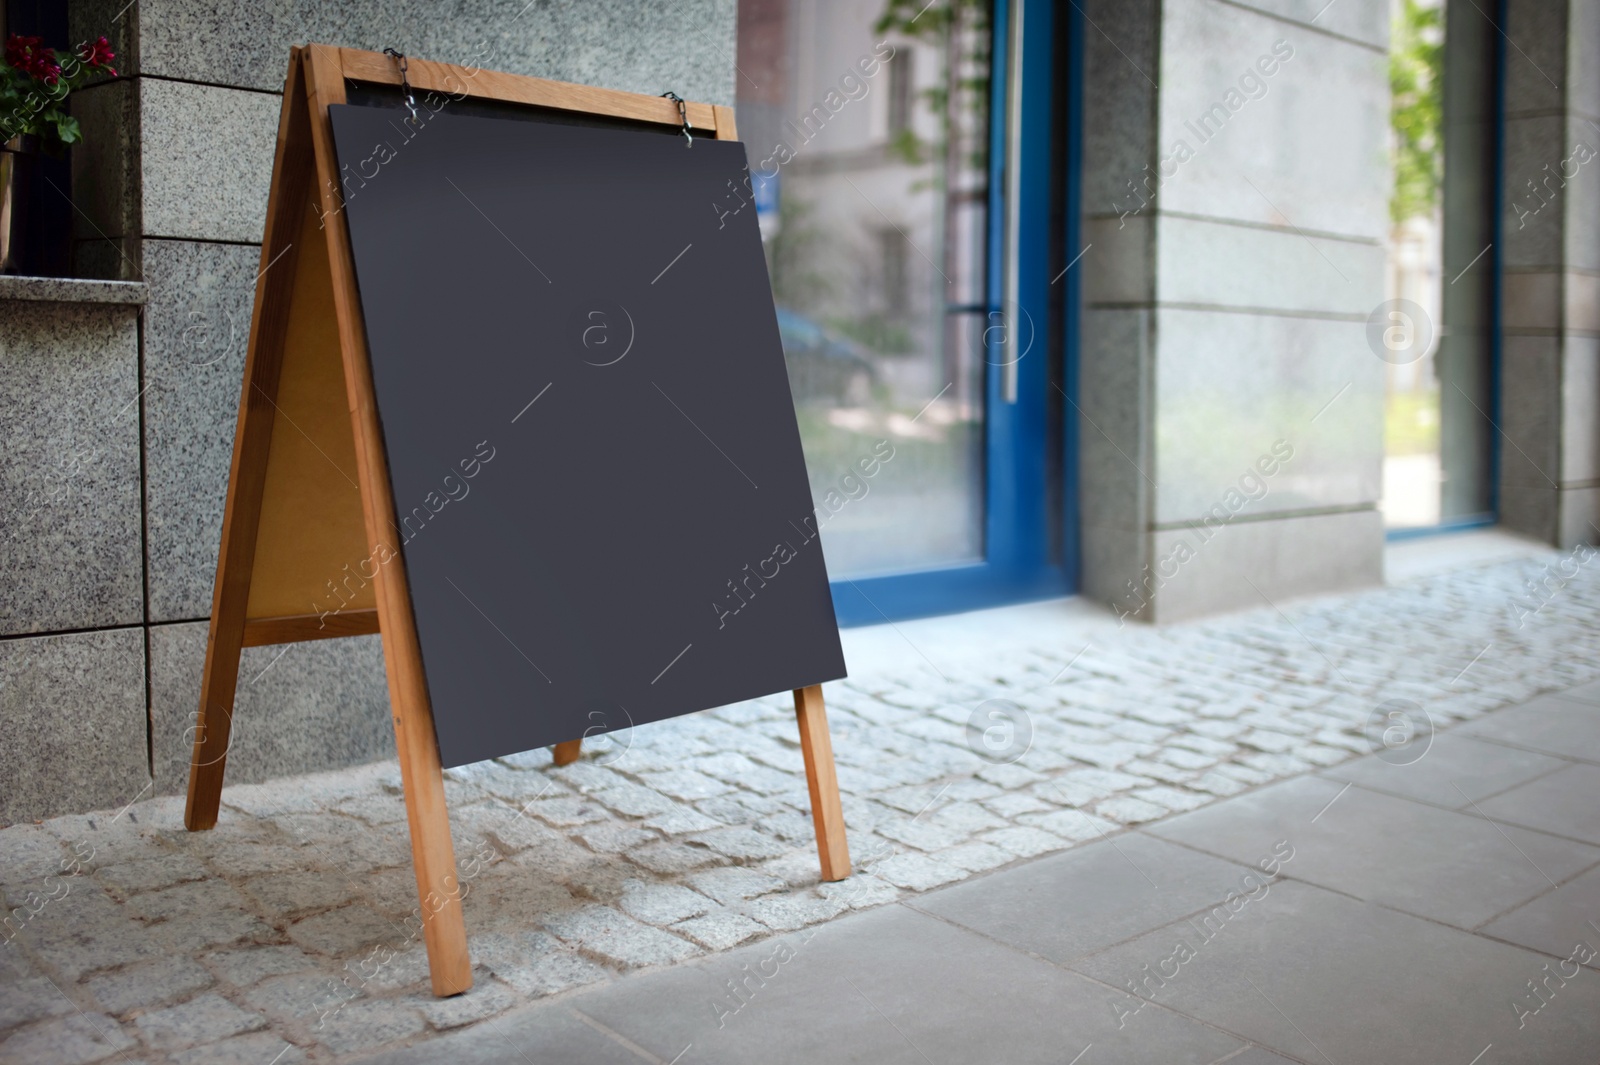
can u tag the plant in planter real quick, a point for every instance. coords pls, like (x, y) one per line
(34, 84)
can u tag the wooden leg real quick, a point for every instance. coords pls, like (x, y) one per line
(213, 727)
(567, 753)
(291, 179)
(826, 813)
(444, 931)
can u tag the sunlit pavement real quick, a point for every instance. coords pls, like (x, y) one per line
(1071, 838)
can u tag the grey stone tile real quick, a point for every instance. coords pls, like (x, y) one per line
(85, 931)
(149, 874)
(299, 707)
(720, 930)
(1220, 263)
(1583, 693)
(74, 1040)
(1365, 20)
(72, 711)
(69, 532)
(1562, 803)
(1308, 152)
(346, 931)
(1548, 724)
(202, 1020)
(291, 895)
(663, 904)
(1255, 1055)
(1072, 904)
(303, 995)
(786, 913)
(202, 154)
(638, 47)
(1556, 920)
(196, 328)
(732, 884)
(147, 985)
(1340, 980)
(533, 962)
(33, 999)
(1455, 770)
(620, 940)
(243, 968)
(252, 1048)
(31, 853)
(883, 979)
(1120, 121)
(484, 999)
(361, 1025)
(1453, 867)
(538, 1034)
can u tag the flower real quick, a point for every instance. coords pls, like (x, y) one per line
(26, 55)
(46, 67)
(98, 54)
(20, 51)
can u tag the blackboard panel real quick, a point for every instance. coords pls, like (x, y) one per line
(591, 440)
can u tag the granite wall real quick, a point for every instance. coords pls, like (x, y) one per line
(1237, 215)
(1550, 375)
(120, 419)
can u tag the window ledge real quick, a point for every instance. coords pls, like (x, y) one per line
(71, 290)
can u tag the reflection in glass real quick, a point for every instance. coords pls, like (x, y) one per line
(866, 126)
(1412, 470)
(1439, 439)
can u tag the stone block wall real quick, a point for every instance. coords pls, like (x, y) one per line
(1550, 359)
(1237, 215)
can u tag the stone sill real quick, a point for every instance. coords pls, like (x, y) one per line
(71, 290)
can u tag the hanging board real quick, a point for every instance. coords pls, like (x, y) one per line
(600, 492)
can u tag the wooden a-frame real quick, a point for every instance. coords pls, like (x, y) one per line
(308, 491)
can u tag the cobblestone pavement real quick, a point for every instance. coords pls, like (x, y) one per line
(286, 934)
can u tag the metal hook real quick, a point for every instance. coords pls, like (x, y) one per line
(405, 85)
(683, 115)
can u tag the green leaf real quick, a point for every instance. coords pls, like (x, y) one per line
(67, 129)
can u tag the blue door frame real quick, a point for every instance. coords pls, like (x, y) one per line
(1029, 552)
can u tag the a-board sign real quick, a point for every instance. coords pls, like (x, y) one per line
(561, 532)
(601, 497)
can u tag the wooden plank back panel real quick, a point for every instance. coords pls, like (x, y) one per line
(311, 543)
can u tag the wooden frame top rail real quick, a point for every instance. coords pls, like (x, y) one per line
(426, 75)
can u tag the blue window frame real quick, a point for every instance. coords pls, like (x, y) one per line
(1030, 498)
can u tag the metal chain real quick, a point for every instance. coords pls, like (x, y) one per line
(405, 85)
(683, 115)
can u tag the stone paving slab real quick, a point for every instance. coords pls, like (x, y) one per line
(1192, 950)
(289, 925)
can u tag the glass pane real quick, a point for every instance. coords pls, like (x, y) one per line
(866, 125)
(1439, 437)
(1412, 471)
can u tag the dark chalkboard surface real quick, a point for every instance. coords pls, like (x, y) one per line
(591, 440)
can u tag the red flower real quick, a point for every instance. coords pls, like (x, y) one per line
(21, 51)
(97, 54)
(25, 54)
